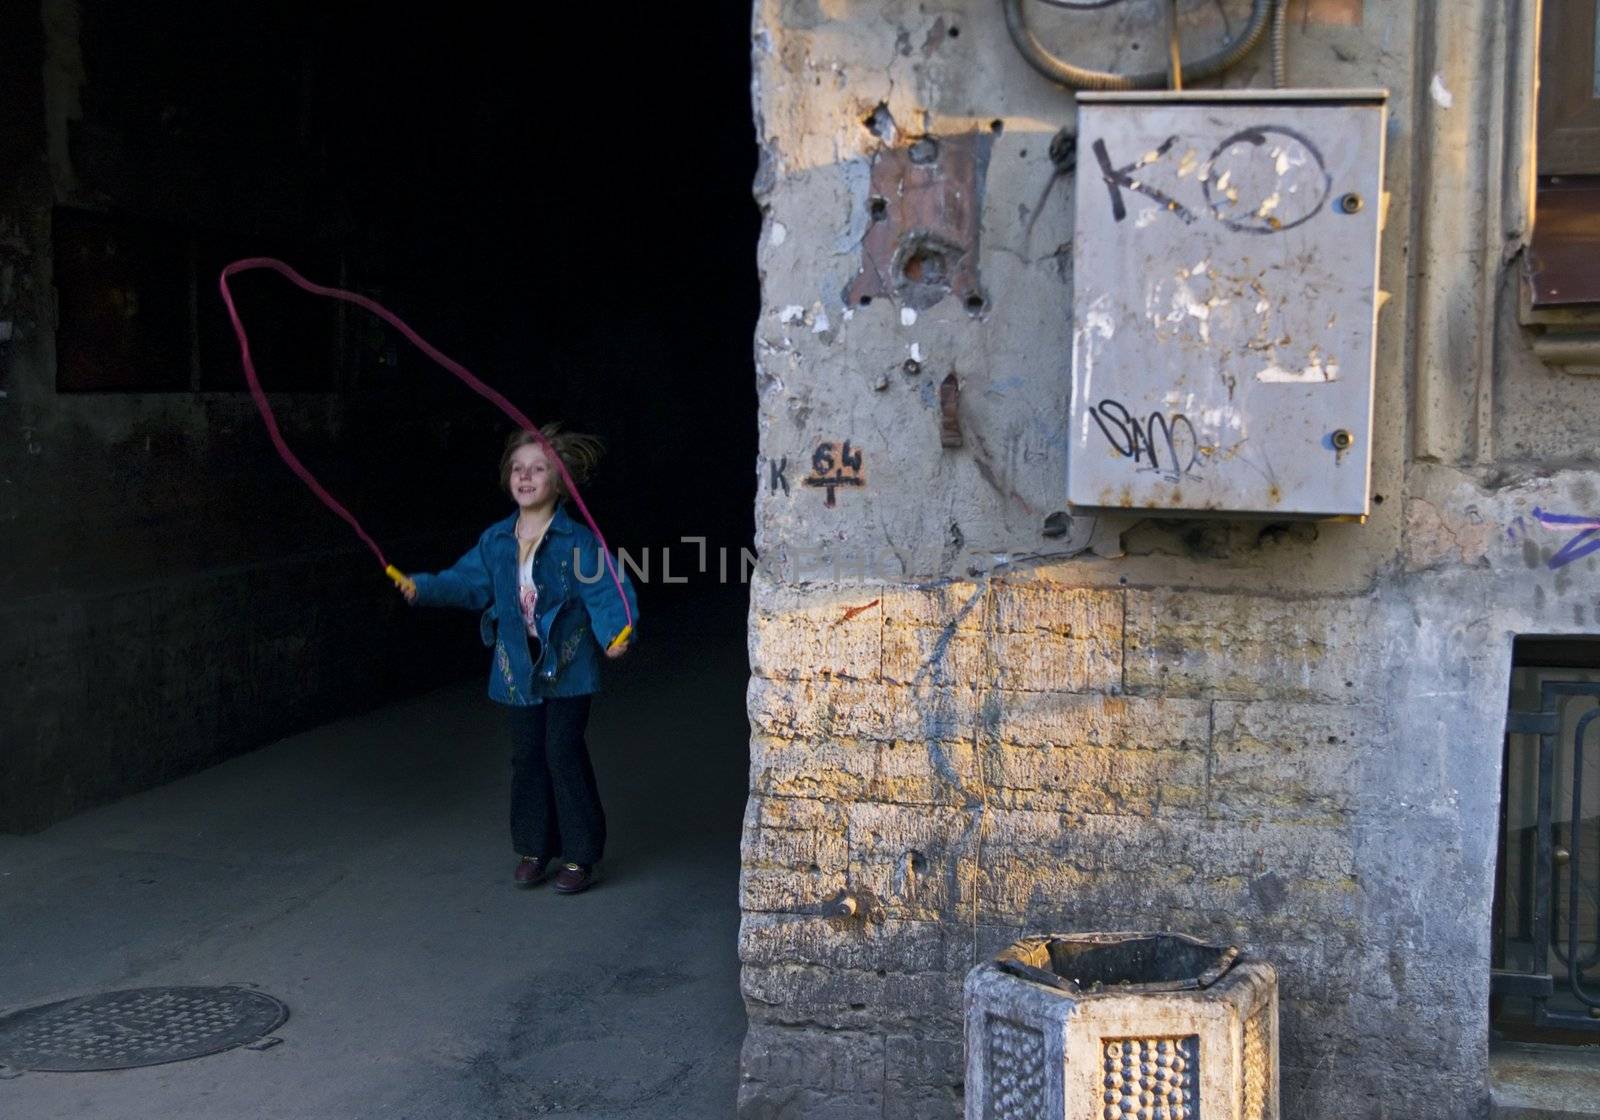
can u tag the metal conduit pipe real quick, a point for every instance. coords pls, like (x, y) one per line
(1280, 35)
(1078, 77)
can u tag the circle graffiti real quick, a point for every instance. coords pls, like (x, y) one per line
(1266, 180)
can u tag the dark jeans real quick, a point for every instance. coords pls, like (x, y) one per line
(555, 804)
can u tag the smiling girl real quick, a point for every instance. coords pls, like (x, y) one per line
(547, 629)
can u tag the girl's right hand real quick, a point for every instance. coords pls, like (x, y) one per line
(404, 583)
(407, 585)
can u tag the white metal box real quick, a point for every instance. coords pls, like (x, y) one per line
(1225, 297)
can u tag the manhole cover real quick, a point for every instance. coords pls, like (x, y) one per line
(135, 1027)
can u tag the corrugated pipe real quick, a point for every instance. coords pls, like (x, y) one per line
(1280, 35)
(1058, 70)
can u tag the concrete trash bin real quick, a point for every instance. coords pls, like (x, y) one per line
(1121, 1026)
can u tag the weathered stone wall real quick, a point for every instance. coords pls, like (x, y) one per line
(995, 722)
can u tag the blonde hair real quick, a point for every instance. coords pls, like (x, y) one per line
(578, 453)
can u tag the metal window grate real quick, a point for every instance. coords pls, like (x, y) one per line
(1547, 906)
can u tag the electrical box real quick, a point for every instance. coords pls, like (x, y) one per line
(1225, 296)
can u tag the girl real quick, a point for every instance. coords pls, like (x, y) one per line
(549, 609)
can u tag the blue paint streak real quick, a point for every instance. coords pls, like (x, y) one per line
(1581, 544)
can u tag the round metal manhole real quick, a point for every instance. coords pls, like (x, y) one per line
(136, 1027)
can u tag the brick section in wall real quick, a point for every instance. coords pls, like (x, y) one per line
(1189, 643)
(1018, 756)
(807, 1072)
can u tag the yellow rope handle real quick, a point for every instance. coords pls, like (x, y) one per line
(621, 637)
(401, 580)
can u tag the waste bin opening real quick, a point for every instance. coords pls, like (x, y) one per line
(1122, 962)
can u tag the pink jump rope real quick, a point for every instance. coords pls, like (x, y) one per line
(401, 580)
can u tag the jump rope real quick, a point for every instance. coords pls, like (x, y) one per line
(401, 580)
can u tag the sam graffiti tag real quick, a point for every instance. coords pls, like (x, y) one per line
(1164, 444)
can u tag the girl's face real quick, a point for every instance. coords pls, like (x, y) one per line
(533, 480)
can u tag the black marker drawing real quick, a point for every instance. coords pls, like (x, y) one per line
(1291, 167)
(1116, 178)
(1262, 179)
(829, 473)
(1167, 446)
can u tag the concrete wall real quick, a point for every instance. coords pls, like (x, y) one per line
(169, 595)
(998, 718)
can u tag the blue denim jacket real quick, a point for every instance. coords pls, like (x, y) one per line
(577, 618)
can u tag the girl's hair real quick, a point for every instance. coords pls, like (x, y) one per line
(577, 451)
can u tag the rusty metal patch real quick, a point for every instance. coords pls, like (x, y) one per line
(950, 412)
(925, 208)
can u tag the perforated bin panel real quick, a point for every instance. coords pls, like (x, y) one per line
(1224, 303)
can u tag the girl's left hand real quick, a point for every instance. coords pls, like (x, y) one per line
(619, 649)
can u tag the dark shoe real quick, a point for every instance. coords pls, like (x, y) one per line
(531, 870)
(574, 877)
